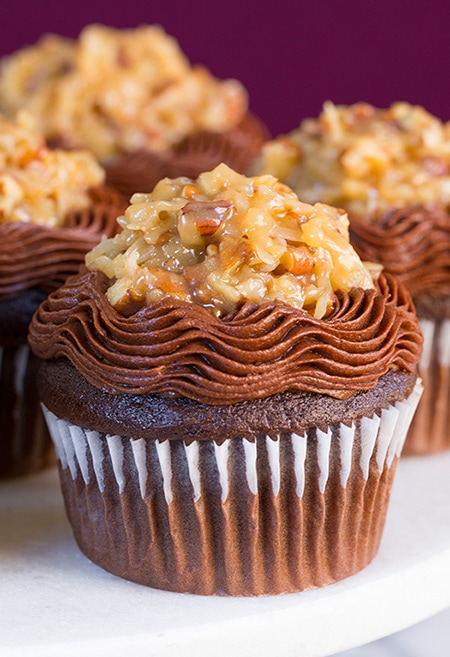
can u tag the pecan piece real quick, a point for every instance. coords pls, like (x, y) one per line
(130, 303)
(207, 215)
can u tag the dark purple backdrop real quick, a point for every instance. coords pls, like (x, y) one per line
(291, 56)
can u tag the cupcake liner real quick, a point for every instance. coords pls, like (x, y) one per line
(430, 430)
(25, 444)
(274, 514)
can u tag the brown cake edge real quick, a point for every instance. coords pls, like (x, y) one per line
(66, 393)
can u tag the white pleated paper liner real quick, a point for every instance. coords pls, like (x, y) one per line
(430, 428)
(25, 444)
(278, 514)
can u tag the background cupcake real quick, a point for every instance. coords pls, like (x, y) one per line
(228, 390)
(53, 208)
(132, 98)
(390, 170)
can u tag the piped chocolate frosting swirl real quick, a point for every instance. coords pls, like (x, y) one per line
(177, 348)
(140, 171)
(412, 243)
(36, 256)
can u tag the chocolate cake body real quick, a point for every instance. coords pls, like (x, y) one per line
(182, 538)
(34, 260)
(389, 170)
(64, 391)
(251, 499)
(25, 444)
(228, 389)
(262, 496)
(414, 244)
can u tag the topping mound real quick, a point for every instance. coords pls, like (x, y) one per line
(116, 91)
(224, 239)
(39, 185)
(364, 159)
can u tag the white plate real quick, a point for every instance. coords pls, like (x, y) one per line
(56, 603)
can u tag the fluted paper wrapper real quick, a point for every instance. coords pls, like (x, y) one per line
(272, 515)
(430, 428)
(25, 443)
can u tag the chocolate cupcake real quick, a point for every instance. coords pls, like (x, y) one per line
(133, 99)
(390, 170)
(228, 389)
(54, 208)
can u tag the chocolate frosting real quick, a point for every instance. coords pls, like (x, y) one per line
(202, 151)
(180, 349)
(36, 256)
(413, 244)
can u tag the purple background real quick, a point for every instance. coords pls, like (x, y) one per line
(291, 56)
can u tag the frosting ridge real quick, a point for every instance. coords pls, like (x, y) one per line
(33, 255)
(139, 171)
(179, 349)
(413, 243)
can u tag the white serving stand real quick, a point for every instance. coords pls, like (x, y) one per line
(55, 603)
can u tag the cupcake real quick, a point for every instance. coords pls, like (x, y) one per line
(390, 170)
(53, 208)
(133, 99)
(228, 388)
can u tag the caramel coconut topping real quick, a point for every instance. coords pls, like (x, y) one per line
(190, 299)
(366, 160)
(39, 185)
(53, 208)
(117, 91)
(390, 170)
(224, 239)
